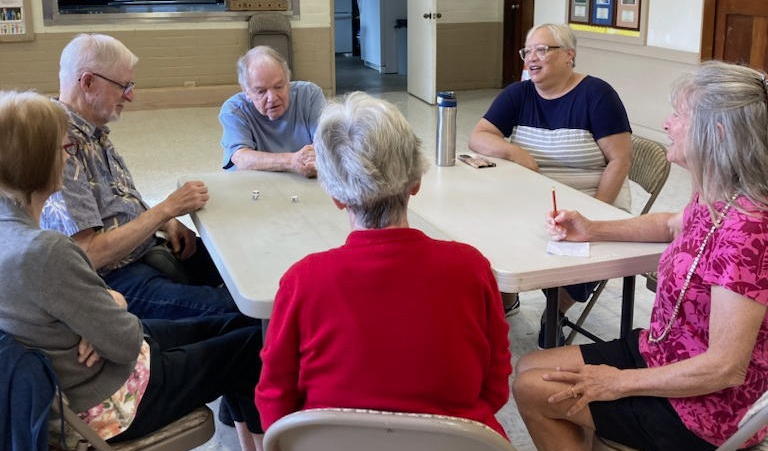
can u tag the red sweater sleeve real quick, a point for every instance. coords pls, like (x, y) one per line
(495, 390)
(277, 393)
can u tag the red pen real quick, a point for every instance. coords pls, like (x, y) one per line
(554, 203)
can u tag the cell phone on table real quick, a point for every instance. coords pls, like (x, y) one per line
(476, 162)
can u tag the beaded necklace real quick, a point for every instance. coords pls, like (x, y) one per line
(715, 225)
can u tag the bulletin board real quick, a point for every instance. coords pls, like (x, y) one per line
(16, 21)
(614, 20)
(617, 17)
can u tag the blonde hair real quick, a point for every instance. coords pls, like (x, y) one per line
(727, 149)
(561, 33)
(32, 128)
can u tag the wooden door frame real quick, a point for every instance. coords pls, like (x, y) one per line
(508, 72)
(708, 30)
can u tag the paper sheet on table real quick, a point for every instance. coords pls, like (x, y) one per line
(568, 249)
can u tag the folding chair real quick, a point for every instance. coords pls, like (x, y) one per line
(274, 30)
(190, 431)
(650, 170)
(371, 430)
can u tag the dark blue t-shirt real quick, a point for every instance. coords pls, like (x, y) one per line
(561, 134)
(592, 105)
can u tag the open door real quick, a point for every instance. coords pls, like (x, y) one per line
(518, 19)
(422, 49)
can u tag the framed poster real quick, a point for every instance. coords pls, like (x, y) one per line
(603, 12)
(628, 14)
(579, 11)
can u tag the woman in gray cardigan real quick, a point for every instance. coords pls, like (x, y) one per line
(124, 376)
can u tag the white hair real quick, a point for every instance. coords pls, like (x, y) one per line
(368, 157)
(92, 53)
(727, 149)
(259, 53)
(561, 33)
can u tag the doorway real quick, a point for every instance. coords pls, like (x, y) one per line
(518, 19)
(735, 31)
(371, 41)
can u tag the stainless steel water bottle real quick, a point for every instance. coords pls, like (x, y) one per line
(446, 129)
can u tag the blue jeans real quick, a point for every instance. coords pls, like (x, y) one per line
(152, 295)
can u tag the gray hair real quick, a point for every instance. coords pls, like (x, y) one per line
(92, 53)
(368, 158)
(727, 149)
(561, 33)
(256, 54)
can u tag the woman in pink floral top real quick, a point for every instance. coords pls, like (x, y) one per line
(687, 380)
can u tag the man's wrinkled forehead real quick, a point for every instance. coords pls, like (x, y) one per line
(265, 70)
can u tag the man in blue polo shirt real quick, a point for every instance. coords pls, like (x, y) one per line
(269, 126)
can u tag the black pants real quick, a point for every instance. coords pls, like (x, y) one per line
(649, 423)
(194, 361)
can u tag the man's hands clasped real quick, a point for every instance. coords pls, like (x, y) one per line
(303, 161)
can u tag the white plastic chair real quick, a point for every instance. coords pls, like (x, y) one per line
(371, 430)
(755, 419)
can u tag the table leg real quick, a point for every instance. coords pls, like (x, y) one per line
(627, 305)
(550, 317)
(264, 324)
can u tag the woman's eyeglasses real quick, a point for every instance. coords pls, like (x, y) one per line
(70, 148)
(540, 51)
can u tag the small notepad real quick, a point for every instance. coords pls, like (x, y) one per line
(567, 248)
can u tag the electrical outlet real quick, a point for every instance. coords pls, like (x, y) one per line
(190, 84)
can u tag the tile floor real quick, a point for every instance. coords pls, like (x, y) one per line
(161, 145)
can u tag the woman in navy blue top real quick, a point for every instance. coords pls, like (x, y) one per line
(566, 125)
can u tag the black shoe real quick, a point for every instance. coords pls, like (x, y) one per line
(225, 417)
(560, 334)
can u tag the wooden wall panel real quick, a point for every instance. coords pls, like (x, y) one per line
(469, 55)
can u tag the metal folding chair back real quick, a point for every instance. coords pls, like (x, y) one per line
(371, 430)
(650, 168)
(274, 30)
(189, 431)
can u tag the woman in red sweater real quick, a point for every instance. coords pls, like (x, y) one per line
(391, 320)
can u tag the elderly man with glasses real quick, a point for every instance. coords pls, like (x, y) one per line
(101, 209)
(269, 126)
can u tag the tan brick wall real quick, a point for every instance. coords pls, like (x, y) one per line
(168, 58)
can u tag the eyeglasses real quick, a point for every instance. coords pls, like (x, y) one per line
(127, 88)
(540, 50)
(70, 148)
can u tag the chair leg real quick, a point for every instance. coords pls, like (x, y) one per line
(588, 308)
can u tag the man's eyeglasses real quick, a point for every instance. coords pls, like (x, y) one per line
(540, 50)
(127, 88)
(70, 148)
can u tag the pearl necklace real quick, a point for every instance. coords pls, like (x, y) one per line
(715, 225)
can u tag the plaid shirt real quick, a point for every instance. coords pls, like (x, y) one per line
(98, 190)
